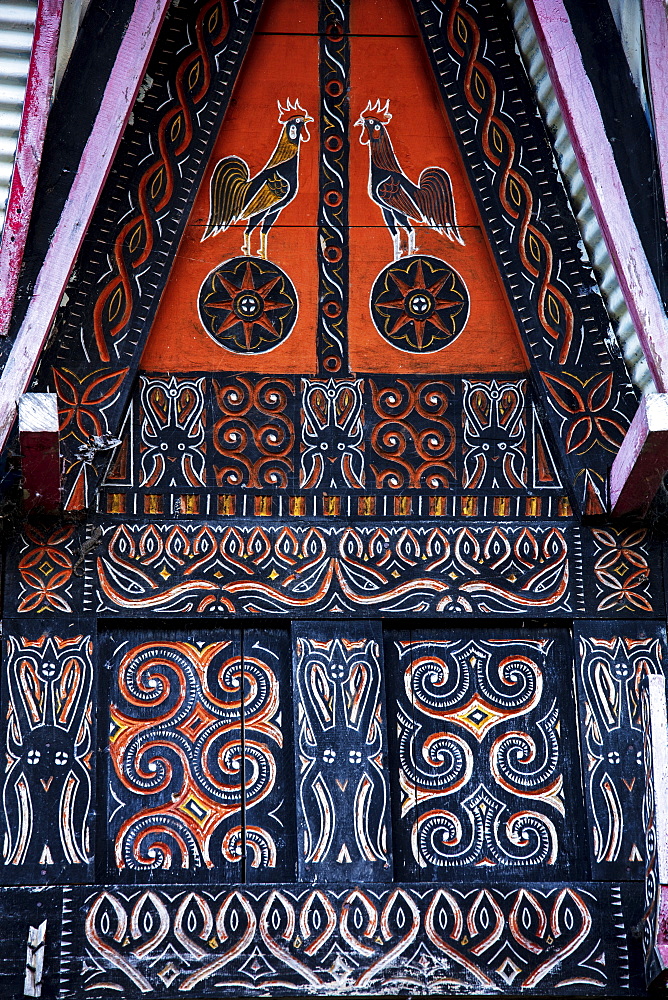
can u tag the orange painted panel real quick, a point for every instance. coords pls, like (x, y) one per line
(390, 65)
(396, 69)
(278, 67)
(289, 17)
(382, 17)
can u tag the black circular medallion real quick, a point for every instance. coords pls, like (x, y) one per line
(419, 304)
(248, 305)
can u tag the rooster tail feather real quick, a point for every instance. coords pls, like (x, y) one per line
(229, 186)
(437, 202)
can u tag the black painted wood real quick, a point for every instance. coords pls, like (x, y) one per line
(269, 816)
(342, 790)
(485, 764)
(48, 732)
(611, 660)
(360, 938)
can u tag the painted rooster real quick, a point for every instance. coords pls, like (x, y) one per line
(430, 201)
(236, 195)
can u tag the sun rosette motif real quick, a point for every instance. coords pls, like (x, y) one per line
(248, 306)
(419, 304)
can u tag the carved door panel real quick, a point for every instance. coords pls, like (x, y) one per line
(611, 661)
(484, 776)
(195, 756)
(48, 736)
(343, 809)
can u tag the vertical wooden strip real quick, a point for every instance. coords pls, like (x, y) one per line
(655, 826)
(331, 334)
(343, 806)
(656, 46)
(269, 829)
(22, 187)
(49, 742)
(611, 661)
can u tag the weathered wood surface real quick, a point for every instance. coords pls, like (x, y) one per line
(486, 764)
(96, 161)
(40, 452)
(655, 42)
(49, 714)
(655, 826)
(640, 464)
(36, 103)
(611, 662)
(597, 164)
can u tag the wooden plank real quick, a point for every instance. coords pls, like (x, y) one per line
(358, 938)
(596, 160)
(49, 712)
(343, 801)
(641, 462)
(655, 824)
(269, 814)
(123, 85)
(656, 46)
(485, 765)
(175, 781)
(611, 659)
(40, 458)
(22, 187)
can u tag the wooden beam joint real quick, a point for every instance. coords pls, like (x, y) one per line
(40, 455)
(642, 460)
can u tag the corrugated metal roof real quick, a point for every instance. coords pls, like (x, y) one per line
(591, 234)
(17, 20)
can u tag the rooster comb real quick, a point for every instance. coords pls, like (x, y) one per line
(291, 110)
(382, 113)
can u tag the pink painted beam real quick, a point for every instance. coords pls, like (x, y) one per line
(39, 87)
(655, 16)
(631, 473)
(592, 148)
(119, 95)
(640, 464)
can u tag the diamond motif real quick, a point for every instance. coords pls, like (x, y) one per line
(477, 717)
(508, 971)
(169, 974)
(194, 808)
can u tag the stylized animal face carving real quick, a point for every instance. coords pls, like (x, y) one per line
(48, 743)
(332, 433)
(172, 431)
(295, 119)
(373, 120)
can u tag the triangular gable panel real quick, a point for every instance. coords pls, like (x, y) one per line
(191, 333)
(344, 283)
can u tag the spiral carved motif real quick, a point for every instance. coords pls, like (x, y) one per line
(186, 758)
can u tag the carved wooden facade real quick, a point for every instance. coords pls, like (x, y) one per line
(330, 677)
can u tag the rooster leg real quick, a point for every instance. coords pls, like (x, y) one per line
(411, 241)
(394, 232)
(246, 248)
(269, 220)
